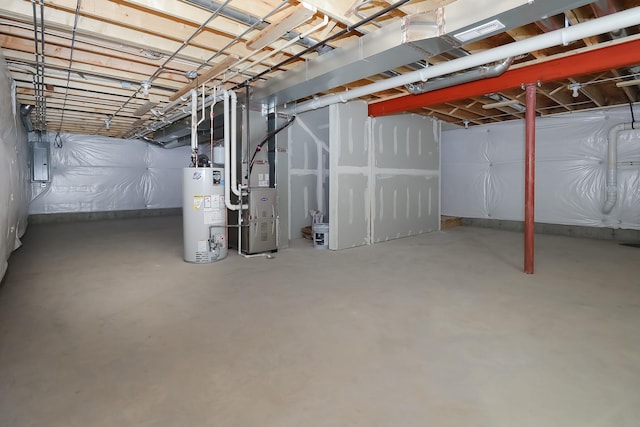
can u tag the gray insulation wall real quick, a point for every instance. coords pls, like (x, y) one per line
(98, 174)
(14, 170)
(483, 170)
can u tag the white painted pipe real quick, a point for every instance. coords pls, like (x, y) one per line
(612, 164)
(623, 19)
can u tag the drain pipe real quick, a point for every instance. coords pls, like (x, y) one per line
(623, 19)
(483, 72)
(612, 163)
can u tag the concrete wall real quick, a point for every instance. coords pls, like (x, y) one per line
(14, 170)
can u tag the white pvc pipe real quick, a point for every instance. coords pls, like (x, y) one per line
(227, 154)
(194, 123)
(204, 108)
(612, 164)
(229, 151)
(234, 141)
(623, 19)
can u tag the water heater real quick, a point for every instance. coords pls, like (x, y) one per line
(204, 215)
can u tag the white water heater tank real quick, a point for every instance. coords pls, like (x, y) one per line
(204, 215)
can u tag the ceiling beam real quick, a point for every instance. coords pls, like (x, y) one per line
(586, 61)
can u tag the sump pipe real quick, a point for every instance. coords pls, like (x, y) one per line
(612, 163)
(623, 19)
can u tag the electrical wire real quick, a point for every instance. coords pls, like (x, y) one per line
(173, 55)
(37, 77)
(73, 42)
(267, 138)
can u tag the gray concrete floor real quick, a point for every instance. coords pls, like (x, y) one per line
(102, 324)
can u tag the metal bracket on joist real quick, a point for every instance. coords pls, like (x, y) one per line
(523, 86)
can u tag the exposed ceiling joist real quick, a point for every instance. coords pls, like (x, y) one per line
(615, 54)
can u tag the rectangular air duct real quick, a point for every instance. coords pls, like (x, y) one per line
(406, 41)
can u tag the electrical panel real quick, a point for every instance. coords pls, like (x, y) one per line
(40, 161)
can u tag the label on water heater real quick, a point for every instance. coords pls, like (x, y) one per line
(197, 175)
(197, 202)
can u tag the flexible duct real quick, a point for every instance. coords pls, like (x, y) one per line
(612, 164)
(483, 72)
(623, 19)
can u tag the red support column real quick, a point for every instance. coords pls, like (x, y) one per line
(529, 176)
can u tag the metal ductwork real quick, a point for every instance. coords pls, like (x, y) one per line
(25, 116)
(483, 72)
(406, 41)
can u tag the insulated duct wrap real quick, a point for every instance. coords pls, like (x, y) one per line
(483, 171)
(96, 173)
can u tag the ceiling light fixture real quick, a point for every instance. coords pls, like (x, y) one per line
(480, 30)
(146, 84)
(628, 83)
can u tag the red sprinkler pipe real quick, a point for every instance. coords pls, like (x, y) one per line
(529, 177)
